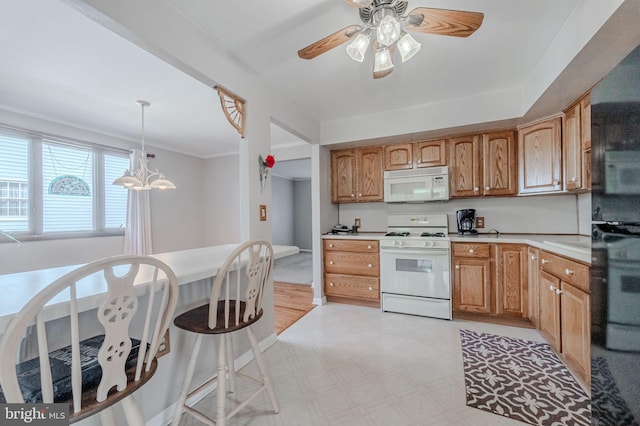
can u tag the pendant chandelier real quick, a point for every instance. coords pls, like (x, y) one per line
(142, 178)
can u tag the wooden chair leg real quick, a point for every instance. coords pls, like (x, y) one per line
(132, 412)
(107, 417)
(231, 366)
(187, 380)
(221, 391)
(264, 370)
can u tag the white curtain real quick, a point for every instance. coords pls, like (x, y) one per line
(137, 234)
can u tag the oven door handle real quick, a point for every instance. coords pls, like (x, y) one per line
(416, 250)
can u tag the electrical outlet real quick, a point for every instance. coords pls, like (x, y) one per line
(480, 222)
(165, 346)
(357, 222)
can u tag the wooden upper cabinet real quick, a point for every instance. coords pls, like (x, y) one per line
(572, 147)
(357, 175)
(585, 120)
(539, 157)
(398, 156)
(343, 176)
(431, 153)
(464, 163)
(499, 163)
(369, 174)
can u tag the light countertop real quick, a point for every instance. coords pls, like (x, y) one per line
(577, 247)
(188, 265)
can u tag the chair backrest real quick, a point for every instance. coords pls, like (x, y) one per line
(242, 277)
(64, 362)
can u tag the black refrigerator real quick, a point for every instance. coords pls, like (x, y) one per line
(615, 268)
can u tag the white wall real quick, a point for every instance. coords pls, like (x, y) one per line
(221, 200)
(551, 214)
(302, 213)
(584, 214)
(283, 214)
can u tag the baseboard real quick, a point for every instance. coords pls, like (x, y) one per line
(165, 417)
(320, 300)
(305, 250)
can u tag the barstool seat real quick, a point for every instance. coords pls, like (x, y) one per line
(92, 374)
(236, 295)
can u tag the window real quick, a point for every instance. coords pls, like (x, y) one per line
(52, 188)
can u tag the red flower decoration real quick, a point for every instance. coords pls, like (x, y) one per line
(269, 161)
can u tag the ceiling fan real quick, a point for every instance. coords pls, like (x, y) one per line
(385, 19)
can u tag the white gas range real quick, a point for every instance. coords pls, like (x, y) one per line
(415, 259)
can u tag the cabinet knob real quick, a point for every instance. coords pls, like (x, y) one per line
(471, 251)
(544, 261)
(369, 265)
(558, 291)
(457, 266)
(330, 284)
(359, 194)
(486, 188)
(552, 288)
(568, 271)
(574, 179)
(476, 189)
(369, 247)
(419, 161)
(353, 195)
(330, 244)
(534, 257)
(331, 262)
(370, 288)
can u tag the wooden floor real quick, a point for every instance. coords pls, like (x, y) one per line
(291, 301)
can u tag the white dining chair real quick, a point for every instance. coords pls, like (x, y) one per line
(235, 304)
(92, 373)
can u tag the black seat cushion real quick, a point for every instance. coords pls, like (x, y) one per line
(60, 361)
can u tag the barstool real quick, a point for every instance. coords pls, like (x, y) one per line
(92, 374)
(235, 304)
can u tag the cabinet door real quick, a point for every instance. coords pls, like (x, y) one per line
(431, 153)
(585, 120)
(533, 257)
(464, 176)
(572, 148)
(576, 329)
(499, 163)
(370, 174)
(352, 286)
(472, 285)
(511, 280)
(539, 157)
(398, 156)
(549, 309)
(343, 169)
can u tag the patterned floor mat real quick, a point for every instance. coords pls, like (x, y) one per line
(522, 380)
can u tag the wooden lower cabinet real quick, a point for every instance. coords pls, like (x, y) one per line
(564, 311)
(352, 271)
(533, 257)
(477, 266)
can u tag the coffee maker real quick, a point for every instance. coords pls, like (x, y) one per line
(466, 221)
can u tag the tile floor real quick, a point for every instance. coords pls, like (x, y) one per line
(351, 365)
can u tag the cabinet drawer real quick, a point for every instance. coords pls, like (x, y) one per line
(367, 264)
(478, 250)
(567, 270)
(360, 246)
(350, 286)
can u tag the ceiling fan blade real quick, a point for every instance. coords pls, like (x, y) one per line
(455, 23)
(329, 42)
(359, 3)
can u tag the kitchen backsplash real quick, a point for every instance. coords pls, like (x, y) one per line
(552, 214)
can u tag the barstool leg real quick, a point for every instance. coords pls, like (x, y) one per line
(231, 366)
(187, 380)
(132, 412)
(107, 417)
(221, 391)
(264, 370)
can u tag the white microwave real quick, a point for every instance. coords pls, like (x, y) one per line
(622, 172)
(416, 186)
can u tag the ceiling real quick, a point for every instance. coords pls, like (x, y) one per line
(58, 64)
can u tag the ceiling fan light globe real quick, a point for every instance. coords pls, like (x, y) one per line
(388, 30)
(358, 47)
(408, 47)
(127, 181)
(382, 61)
